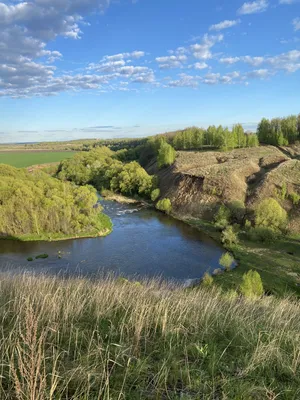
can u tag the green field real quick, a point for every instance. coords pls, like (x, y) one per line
(28, 158)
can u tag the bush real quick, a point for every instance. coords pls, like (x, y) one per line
(237, 211)
(229, 236)
(269, 213)
(223, 217)
(252, 285)
(164, 205)
(226, 261)
(155, 194)
(295, 198)
(166, 155)
(263, 234)
(207, 280)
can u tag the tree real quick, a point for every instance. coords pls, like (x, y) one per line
(229, 237)
(269, 213)
(252, 285)
(164, 205)
(239, 136)
(222, 218)
(166, 155)
(226, 261)
(155, 194)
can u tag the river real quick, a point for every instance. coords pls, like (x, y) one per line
(143, 244)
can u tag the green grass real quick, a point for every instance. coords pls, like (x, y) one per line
(28, 158)
(279, 270)
(116, 340)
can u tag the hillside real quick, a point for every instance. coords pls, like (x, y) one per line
(199, 181)
(111, 339)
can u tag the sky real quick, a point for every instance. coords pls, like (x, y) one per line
(73, 69)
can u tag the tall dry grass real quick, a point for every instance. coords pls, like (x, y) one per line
(112, 339)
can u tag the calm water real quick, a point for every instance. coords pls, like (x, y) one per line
(144, 243)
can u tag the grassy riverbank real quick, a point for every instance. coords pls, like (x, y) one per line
(103, 221)
(111, 339)
(277, 263)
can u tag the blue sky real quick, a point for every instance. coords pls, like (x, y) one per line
(104, 68)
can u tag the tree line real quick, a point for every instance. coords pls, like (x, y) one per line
(39, 206)
(279, 131)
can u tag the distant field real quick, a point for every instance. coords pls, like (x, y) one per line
(28, 158)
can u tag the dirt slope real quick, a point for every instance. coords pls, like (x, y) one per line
(199, 181)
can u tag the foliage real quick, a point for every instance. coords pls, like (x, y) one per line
(295, 198)
(226, 261)
(279, 131)
(207, 280)
(100, 168)
(37, 204)
(215, 137)
(155, 194)
(269, 213)
(222, 218)
(166, 155)
(229, 236)
(263, 234)
(164, 205)
(108, 339)
(237, 211)
(251, 285)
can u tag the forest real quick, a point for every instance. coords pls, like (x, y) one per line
(279, 131)
(36, 206)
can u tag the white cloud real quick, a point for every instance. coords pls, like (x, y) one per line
(260, 74)
(199, 65)
(289, 62)
(185, 81)
(224, 25)
(296, 23)
(174, 61)
(253, 7)
(203, 50)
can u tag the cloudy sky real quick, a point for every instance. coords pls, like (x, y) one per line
(115, 68)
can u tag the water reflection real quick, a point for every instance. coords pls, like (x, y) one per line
(144, 243)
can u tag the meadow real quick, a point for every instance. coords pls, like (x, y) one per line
(23, 159)
(114, 339)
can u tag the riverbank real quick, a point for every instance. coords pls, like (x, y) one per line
(56, 237)
(277, 263)
(113, 339)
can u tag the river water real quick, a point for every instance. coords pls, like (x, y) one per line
(143, 244)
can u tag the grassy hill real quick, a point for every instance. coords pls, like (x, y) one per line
(23, 159)
(111, 339)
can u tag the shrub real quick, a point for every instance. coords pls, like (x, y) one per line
(263, 234)
(155, 194)
(237, 211)
(229, 236)
(251, 285)
(269, 213)
(295, 198)
(164, 205)
(226, 261)
(166, 155)
(222, 218)
(207, 280)
(29, 259)
(42, 256)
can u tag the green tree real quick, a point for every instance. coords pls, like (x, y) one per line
(155, 194)
(226, 261)
(252, 285)
(269, 213)
(166, 155)
(164, 205)
(229, 237)
(207, 280)
(222, 218)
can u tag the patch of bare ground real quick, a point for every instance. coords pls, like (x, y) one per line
(199, 181)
